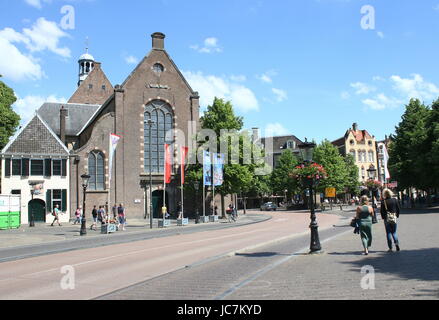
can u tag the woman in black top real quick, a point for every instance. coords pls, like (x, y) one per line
(389, 204)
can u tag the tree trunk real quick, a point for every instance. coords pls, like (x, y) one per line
(223, 209)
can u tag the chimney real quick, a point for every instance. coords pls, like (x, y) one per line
(62, 124)
(355, 127)
(158, 41)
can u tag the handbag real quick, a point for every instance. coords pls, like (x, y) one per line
(391, 216)
(354, 223)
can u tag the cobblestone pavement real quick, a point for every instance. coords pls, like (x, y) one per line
(412, 273)
(285, 271)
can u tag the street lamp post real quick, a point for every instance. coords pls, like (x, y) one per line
(307, 150)
(32, 216)
(372, 174)
(85, 178)
(150, 123)
(197, 215)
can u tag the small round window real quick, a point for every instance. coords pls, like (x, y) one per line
(158, 68)
(352, 142)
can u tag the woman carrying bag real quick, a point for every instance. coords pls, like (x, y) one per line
(390, 213)
(365, 215)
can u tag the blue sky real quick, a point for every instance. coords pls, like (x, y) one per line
(305, 67)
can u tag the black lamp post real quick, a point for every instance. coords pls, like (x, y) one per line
(32, 216)
(197, 215)
(307, 151)
(85, 178)
(372, 174)
(150, 123)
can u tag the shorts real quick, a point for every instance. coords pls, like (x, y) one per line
(121, 219)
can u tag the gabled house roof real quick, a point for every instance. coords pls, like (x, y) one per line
(35, 138)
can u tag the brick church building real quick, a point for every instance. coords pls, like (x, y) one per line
(156, 90)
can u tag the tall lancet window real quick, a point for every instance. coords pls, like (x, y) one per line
(161, 114)
(96, 170)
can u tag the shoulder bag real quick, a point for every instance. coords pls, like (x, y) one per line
(391, 216)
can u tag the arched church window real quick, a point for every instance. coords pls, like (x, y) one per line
(96, 170)
(161, 114)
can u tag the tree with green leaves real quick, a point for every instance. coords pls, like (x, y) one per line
(280, 177)
(9, 120)
(327, 155)
(237, 176)
(409, 150)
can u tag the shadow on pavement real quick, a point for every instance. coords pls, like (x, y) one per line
(421, 264)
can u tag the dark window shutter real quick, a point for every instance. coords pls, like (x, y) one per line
(48, 168)
(64, 201)
(25, 167)
(49, 200)
(7, 167)
(64, 168)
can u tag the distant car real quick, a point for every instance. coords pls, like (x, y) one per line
(269, 206)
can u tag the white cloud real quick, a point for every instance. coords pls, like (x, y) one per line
(275, 129)
(362, 88)
(131, 60)
(34, 3)
(281, 95)
(27, 106)
(210, 46)
(45, 35)
(415, 88)
(267, 77)
(209, 87)
(18, 65)
(381, 102)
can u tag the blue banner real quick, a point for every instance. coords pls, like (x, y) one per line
(218, 169)
(207, 169)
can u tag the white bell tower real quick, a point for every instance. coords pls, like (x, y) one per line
(86, 64)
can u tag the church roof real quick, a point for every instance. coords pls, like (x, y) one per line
(78, 116)
(86, 56)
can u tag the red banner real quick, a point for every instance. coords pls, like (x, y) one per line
(168, 167)
(184, 152)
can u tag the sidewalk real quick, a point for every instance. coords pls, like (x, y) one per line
(412, 273)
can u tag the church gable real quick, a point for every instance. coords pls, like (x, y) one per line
(36, 139)
(95, 89)
(158, 73)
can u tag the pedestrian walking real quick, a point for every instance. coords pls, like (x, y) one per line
(102, 215)
(389, 213)
(94, 214)
(78, 215)
(121, 216)
(364, 216)
(56, 213)
(114, 210)
(179, 211)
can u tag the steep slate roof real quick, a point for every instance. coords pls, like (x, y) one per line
(36, 138)
(78, 116)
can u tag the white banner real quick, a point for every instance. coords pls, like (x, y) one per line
(385, 161)
(114, 139)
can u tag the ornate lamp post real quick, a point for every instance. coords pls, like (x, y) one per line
(197, 215)
(372, 174)
(85, 178)
(32, 215)
(307, 151)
